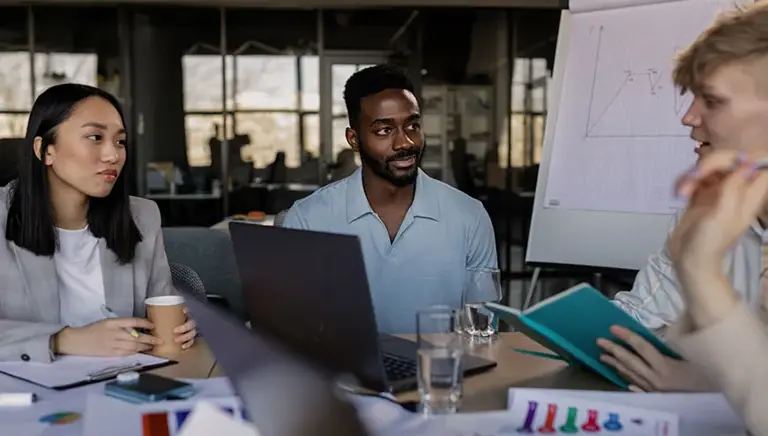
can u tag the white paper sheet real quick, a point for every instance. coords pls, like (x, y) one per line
(576, 6)
(68, 370)
(49, 401)
(26, 429)
(618, 142)
(701, 414)
(109, 416)
(515, 421)
(381, 416)
(556, 414)
(73, 400)
(208, 419)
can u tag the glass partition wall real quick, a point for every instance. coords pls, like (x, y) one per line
(37, 52)
(247, 103)
(250, 104)
(278, 111)
(255, 90)
(32, 60)
(529, 93)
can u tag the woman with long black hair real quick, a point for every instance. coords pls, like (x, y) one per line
(75, 241)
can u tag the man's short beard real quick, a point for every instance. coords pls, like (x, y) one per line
(382, 169)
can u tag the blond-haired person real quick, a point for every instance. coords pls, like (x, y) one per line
(726, 69)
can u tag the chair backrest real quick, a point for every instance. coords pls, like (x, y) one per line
(210, 254)
(186, 279)
(280, 218)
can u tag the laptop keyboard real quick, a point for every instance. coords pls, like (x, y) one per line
(398, 368)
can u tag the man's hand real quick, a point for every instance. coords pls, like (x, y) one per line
(646, 368)
(109, 337)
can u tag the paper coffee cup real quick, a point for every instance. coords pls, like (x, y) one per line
(166, 313)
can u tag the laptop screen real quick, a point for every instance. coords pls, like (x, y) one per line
(283, 394)
(310, 290)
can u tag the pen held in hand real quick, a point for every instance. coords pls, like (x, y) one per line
(113, 371)
(687, 183)
(106, 311)
(755, 166)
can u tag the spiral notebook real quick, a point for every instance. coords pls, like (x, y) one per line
(72, 371)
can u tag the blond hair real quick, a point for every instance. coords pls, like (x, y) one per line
(741, 35)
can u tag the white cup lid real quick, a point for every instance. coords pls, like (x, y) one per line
(128, 377)
(165, 300)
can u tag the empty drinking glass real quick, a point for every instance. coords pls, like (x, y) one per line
(440, 352)
(482, 285)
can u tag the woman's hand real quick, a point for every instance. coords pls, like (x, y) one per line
(109, 337)
(186, 332)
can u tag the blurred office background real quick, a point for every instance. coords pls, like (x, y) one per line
(234, 107)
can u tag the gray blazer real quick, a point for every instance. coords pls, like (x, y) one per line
(29, 294)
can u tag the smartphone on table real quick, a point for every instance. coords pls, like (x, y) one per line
(147, 388)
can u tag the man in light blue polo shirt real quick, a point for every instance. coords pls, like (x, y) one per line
(418, 235)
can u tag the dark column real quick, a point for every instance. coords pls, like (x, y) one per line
(158, 94)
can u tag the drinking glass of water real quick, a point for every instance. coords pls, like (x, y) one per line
(439, 369)
(482, 285)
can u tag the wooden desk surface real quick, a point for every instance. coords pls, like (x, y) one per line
(488, 390)
(196, 362)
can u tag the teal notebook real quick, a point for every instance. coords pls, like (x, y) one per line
(570, 323)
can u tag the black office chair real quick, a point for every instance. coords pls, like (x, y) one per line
(209, 253)
(280, 218)
(186, 279)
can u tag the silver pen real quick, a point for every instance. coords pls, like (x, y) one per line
(106, 311)
(112, 371)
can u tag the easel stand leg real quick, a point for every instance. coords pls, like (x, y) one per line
(531, 288)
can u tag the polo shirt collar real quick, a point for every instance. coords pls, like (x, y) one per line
(425, 201)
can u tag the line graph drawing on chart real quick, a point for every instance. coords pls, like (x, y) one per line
(633, 102)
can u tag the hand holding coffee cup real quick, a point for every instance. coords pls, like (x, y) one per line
(168, 313)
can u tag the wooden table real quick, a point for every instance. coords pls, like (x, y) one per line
(488, 390)
(196, 362)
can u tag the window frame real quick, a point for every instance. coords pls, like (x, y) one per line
(234, 108)
(34, 82)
